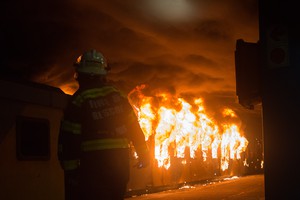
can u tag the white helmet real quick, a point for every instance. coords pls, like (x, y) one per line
(91, 62)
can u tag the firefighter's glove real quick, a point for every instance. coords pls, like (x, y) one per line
(140, 164)
(143, 161)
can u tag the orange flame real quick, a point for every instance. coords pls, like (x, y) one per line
(186, 129)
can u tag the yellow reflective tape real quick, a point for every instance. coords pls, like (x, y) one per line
(78, 100)
(94, 93)
(70, 164)
(75, 128)
(101, 144)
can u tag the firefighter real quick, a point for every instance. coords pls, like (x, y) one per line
(98, 128)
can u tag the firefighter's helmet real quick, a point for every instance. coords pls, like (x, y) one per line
(91, 62)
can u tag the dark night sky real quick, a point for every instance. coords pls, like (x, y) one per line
(184, 46)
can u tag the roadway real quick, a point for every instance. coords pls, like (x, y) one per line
(249, 187)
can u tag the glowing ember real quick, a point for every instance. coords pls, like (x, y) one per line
(185, 129)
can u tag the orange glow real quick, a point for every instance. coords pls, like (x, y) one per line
(69, 88)
(185, 129)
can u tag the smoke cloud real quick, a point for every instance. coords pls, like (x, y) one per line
(185, 46)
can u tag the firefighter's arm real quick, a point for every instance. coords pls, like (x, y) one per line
(143, 160)
(69, 145)
(138, 139)
(69, 139)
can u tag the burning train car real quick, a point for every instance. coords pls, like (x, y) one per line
(187, 145)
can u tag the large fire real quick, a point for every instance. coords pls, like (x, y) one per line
(183, 129)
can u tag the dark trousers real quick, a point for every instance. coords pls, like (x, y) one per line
(104, 174)
(72, 185)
